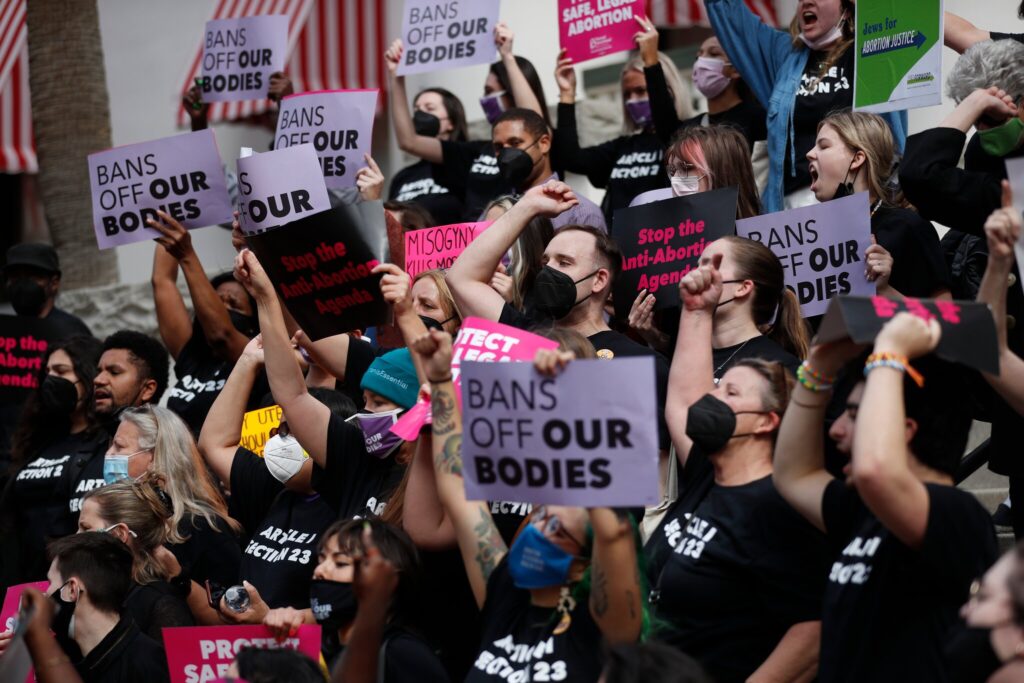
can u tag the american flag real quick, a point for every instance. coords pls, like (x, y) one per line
(683, 13)
(17, 148)
(333, 45)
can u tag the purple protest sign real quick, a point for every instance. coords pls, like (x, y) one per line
(181, 175)
(279, 187)
(339, 125)
(240, 54)
(821, 248)
(589, 29)
(562, 441)
(445, 35)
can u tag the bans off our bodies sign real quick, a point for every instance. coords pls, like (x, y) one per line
(240, 54)
(444, 34)
(279, 187)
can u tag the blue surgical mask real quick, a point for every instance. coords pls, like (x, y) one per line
(115, 467)
(534, 561)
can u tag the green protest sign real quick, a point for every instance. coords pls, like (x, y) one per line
(898, 58)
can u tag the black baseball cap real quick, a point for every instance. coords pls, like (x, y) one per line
(34, 255)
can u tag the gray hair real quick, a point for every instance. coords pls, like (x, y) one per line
(998, 63)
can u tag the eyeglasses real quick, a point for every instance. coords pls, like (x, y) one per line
(551, 525)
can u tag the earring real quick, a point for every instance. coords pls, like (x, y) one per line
(566, 604)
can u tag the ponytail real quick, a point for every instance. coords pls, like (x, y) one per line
(789, 329)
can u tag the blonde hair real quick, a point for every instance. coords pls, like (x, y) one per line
(139, 506)
(840, 46)
(870, 134)
(677, 88)
(176, 459)
(444, 296)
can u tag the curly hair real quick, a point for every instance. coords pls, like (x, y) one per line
(986, 64)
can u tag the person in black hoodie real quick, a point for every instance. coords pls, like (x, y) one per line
(988, 84)
(89, 578)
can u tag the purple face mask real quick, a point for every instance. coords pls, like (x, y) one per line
(493, 106)
(640, 112)
(708, 76)
(376, 428)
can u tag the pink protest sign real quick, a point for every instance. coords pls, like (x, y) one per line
(279, 187)
(588, 29)
(477, 340)
(339, 125)
(438, 247)
(203, 653)
(240, 54)
(181, 175)
(12, 601)
(444, 35)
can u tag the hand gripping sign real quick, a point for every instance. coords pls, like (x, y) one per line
(9, 612)
(588, 437)
(198, 654)
(181, 175)
(240, 54)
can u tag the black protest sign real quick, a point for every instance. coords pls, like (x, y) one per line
(968, 329)
(662, 241)
(23, 343)
(320, 265)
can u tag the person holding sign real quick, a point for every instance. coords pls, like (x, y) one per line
(855, 152)
(568, 582)
(735, 574)
(908, 542)
(802, 74)
(632, 163)
(437, 114)
(90, 577)
(470, 166)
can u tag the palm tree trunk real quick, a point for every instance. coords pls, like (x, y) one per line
(71, 119)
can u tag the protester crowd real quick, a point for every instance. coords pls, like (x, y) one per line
(809, 528)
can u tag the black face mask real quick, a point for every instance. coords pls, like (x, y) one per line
(710, 424)
(333, 603)
(61, 625)
(426, 124)
(970, 656)
(57, 396)
(27, 297)
(246, 324)
(515, 165)
(433, 324)
(554, 292)
(845, 188)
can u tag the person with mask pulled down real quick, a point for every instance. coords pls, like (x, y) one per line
(133, 371)
(632, 163)
(138, 514)
(469, 168)
(906, 542)
(802, 74)
(90, 577)
(522, 145)
(206, 345)
(735, 575)
(57, 424)
(568, 583)
(359, 461)
(32, 274)
(202, 536)
(729, 99)
(272, 497)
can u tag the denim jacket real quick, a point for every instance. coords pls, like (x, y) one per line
(772, 67)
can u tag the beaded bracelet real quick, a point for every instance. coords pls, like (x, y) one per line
(817, 375)
(893, 361)
(812, 380)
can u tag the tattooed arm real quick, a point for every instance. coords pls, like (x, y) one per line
(614, 577)
(479, 540)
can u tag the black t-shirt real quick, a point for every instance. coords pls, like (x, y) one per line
(744, 569)
(283, 529)
(125, 655)
(1019, 37)
(359, 359)
(748, 117)
(81, 474)
(354, 483)
(815, 99)
(34, 501)
(156, 606)
(417, 184)
(519, 642)
(627, 166)
(208, 553)
(470, 170)
(888, 609)
(919, 266)
(66, 325)
(760, 346)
